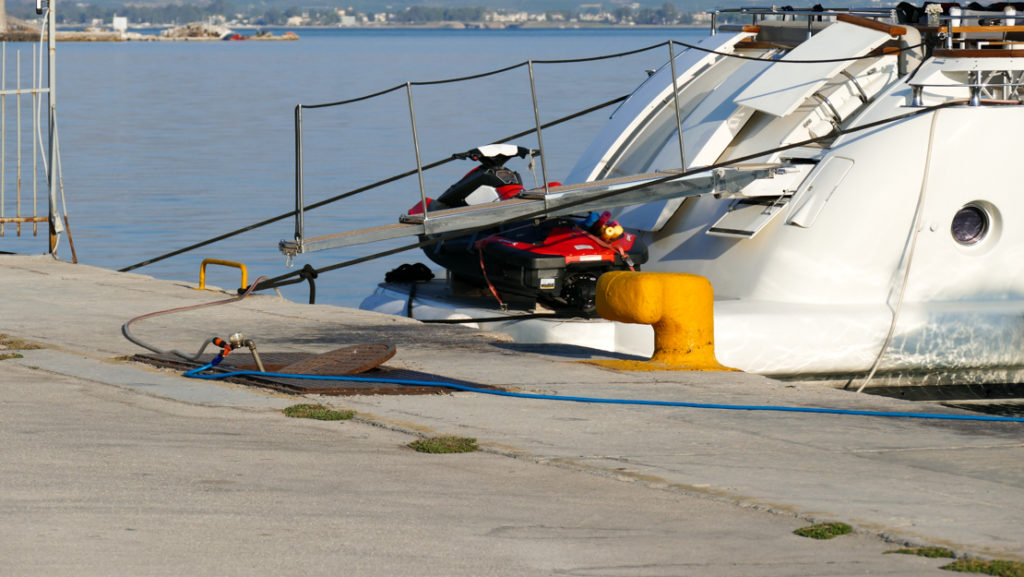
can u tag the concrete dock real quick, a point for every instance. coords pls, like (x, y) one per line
(113, 467)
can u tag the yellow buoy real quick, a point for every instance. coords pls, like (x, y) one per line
(680, 307)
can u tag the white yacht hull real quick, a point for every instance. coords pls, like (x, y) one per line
(936, 343)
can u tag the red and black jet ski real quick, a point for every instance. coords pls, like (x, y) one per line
(556, 261)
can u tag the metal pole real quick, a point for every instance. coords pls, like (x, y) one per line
(36, 70)
(51, 180)
(540, 137)
(3, 136)
(416, 145)
(300, 201)
(975, 88)
(17, 116)
(675, 104)
(901, 58)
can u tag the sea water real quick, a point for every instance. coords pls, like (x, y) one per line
(166, 144)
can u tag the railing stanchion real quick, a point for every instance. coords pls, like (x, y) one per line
(300, 202)
(416, 146)
(56, 226)
(3, 137)
(35, 141)
(540, 137)
(17, 165)
(675, 103)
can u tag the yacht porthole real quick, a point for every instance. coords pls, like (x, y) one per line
(970, 224)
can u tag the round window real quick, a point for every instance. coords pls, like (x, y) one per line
(970, 225)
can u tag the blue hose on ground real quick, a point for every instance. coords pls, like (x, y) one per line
(196, 374)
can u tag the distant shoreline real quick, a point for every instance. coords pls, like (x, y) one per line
(76, 34)
(482, 26)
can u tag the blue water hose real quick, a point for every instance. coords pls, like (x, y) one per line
(197, 374)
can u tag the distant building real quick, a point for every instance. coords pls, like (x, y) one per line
(510, 18)
(119, 24)
(599, 17)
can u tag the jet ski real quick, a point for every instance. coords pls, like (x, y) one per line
(556, 261)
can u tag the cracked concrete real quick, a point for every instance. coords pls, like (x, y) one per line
(118, 468)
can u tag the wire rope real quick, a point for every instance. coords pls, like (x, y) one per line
(482, 75)
(909, 250)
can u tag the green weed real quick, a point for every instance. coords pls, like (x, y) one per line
(9, 342)
(445, 444)
(936, 552)
(318, 412)
(996, 567)
(824, 530)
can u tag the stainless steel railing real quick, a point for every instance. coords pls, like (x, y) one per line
(29, 160)
(758, 14)
(19, 174)
(300, 203)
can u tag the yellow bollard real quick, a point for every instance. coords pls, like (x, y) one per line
(680, 307)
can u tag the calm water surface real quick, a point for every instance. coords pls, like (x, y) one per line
(167, 144)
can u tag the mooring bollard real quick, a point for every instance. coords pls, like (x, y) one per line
(680, 307)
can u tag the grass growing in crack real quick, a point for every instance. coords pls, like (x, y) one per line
(996, 567)
(5, 356)
(318, 412)
(935, 552)
(445, 444)
(9, 342)
(824, 530)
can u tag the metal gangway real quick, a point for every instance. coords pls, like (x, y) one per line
(30, 161)
(541, 203)
(550, 200)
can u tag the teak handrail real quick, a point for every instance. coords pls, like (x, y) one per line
(889, 29)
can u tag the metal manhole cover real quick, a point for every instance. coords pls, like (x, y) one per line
(343, 361)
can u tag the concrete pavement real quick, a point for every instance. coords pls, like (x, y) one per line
(119, 468)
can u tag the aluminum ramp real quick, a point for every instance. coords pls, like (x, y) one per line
(560, 201)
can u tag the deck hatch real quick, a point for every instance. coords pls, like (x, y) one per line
(748, 216)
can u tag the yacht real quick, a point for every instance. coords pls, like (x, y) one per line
(843, 178)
